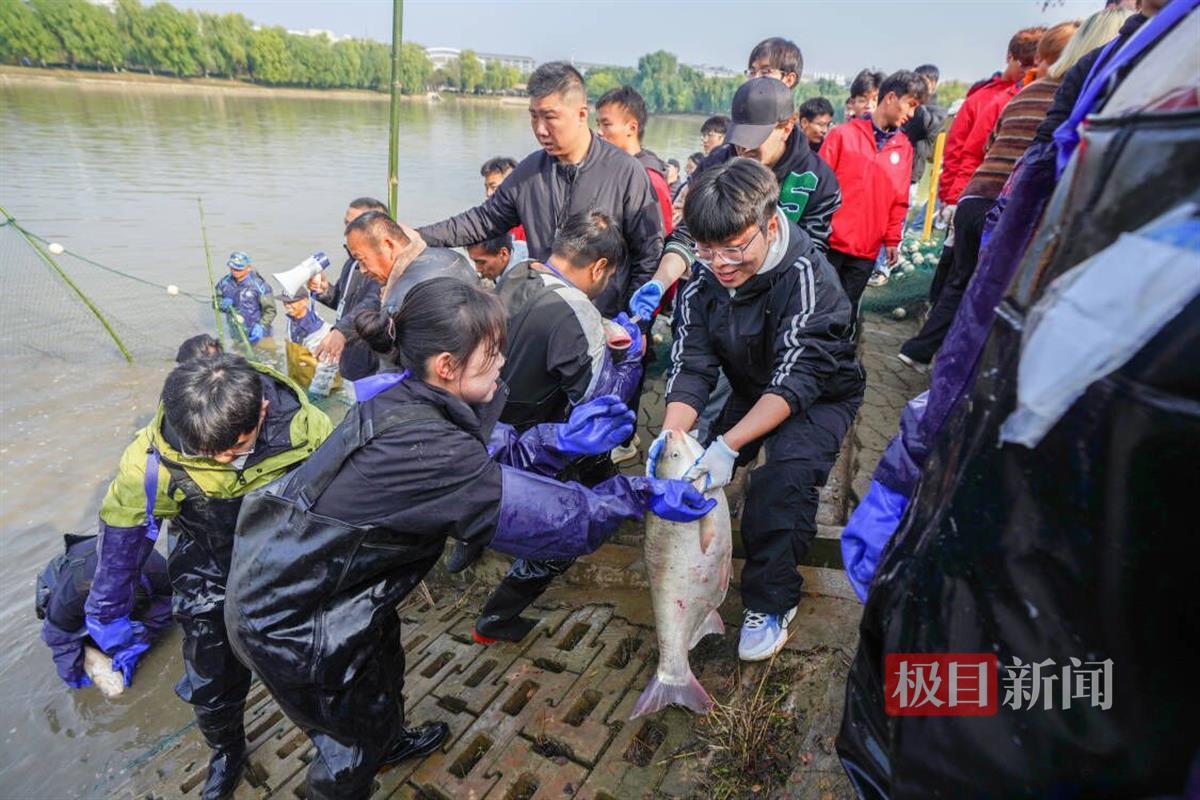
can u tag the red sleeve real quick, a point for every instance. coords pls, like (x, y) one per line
(975, 147)
(831, 148)
(663, 192)
(949, 185)
(899, 209)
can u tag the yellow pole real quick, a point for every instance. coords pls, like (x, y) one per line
(934, 176)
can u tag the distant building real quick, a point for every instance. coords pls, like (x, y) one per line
(441, 56)
(585, 67)
(836, 77)
(710, 71)
(314, 33)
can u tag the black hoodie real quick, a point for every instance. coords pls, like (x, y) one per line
(808, 192)
(782, 332)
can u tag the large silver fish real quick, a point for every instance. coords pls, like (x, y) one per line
(688, 565)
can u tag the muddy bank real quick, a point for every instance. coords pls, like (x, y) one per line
(125, 81)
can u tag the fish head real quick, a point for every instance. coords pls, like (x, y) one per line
(679, 452)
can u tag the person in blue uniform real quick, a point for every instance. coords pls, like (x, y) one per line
(246, 299)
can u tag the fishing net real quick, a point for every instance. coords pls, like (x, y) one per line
(62, 305)
(908, 286)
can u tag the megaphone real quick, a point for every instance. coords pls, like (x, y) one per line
(295, 280)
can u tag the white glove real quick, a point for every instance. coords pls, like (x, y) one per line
(716, 466)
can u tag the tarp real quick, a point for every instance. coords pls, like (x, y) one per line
(1077, 551)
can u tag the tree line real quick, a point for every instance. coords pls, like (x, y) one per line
(670, 87)
(163, 39)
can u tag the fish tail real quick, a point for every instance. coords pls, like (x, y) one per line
(659, 695)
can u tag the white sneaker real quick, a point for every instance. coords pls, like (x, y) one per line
(913, 363)
(626, 452)
(763, 635)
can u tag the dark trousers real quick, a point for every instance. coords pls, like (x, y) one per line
(526, 581)
(528, 578)
(854, 273)
(352, 726)
(944, 265)
(779, 519)
(968, 230)
(214, 681)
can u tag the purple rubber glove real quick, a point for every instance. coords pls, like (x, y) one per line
(646, 299)
(678, 501)
(596, 426)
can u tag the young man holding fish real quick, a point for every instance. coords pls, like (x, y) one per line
(765, 307)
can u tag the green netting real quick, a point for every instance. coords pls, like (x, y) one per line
(908, 286)
(45, 314)
(42, 314)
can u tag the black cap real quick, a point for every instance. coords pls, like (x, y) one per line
(759, 105)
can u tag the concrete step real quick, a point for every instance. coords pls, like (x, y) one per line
(618, 566)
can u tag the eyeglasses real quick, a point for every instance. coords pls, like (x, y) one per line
(765, 72)
(230, 453)
(732, 256)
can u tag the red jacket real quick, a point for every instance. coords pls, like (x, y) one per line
(874, 188)
(663, 193)
(967, 141)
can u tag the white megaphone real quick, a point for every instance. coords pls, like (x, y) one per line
(295, 280)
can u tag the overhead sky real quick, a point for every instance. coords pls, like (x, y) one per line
(966, 38)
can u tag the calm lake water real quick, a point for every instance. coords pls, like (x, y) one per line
(113, 174)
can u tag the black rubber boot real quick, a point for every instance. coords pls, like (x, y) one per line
(226, 735)
(416, 742)
(501, 615)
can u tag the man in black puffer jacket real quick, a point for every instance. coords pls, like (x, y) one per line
(574, 172)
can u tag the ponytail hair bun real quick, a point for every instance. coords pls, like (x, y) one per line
(439, 315)
(376, 329)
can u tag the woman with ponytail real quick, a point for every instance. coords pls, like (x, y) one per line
(323, 557)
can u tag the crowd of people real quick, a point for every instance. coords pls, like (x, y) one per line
(495, 393)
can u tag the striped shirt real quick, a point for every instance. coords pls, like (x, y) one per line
(1013, 133)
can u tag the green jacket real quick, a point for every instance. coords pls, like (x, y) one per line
(124, 505)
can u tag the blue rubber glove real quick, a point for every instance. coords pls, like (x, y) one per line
(645, 300)
(256, 332)
(637, 344)
(82, 682)
(716, 465)
(653, 453)
(596, 427)
(126, 659)
(226, 303)
(678, 501)
(113, 636)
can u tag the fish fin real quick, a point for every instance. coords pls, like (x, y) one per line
(658, 695)
(711, 624)
(708, 532)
